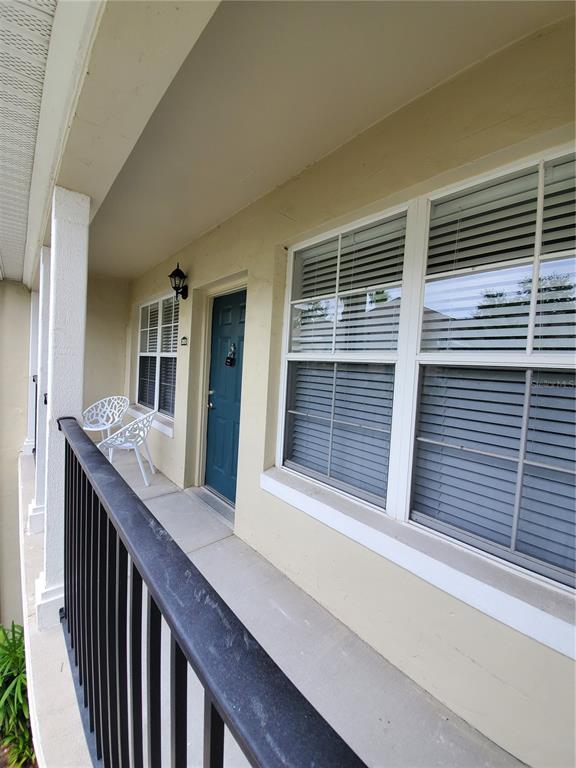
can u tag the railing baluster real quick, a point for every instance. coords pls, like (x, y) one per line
(213, 735)
(111, 579)
(67, 454)
(92, 614)
(136, 667)
(76, 575)
(82, 584)
(154, 681)
(102, 629)
(73, 558)
(178, 705)
(88, 602)
(122, 665)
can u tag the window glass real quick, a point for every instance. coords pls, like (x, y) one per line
(315, 270)
(147, 381)
(478, 311)
(338, 423)
(346, 291)
(158, 345)
(167, 385)
(313, 325)
(494, 459)
(486, 224)
(373, 255)
(554, 328)
(368, 321)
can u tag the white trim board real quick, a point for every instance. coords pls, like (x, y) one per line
(533, 622)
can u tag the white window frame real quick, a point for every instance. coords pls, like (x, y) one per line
(409, 359)
(158, 355)
(336, 356)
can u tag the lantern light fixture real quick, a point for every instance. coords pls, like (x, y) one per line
(178, 282)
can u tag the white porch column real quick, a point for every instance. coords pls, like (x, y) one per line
(29, 442)
(67, 323)
(36, 508)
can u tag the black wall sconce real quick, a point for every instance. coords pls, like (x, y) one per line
(178, 282)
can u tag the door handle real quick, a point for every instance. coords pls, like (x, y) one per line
(210, 406)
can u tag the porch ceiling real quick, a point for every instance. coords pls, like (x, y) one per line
(270, 88)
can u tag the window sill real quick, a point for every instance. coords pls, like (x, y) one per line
(162, 423)
(525, 602)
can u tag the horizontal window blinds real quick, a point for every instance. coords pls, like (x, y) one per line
(315, 270)
(546, 528)
(338, 423)
(167, 393)
(476, 235)
(555, 323)
(373, 255)
(158, 345)
(313, 326)
(486, 311)
(149, 328)
(346, 291)
(169, 336)
(368, 321)
(147, 381)
(488, 224)
(494, 459)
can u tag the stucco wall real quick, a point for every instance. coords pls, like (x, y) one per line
(14, 342)
(107, 312)
(513, 689)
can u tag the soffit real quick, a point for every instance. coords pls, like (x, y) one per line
(139, 49)
(272, 87)
(25, 29)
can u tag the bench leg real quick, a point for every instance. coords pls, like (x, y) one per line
(141, 465)
(147, 451)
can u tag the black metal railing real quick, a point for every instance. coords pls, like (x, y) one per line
(114, 547)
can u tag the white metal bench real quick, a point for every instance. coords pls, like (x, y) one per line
(131, 438)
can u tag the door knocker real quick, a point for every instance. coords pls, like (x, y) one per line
(231, 356)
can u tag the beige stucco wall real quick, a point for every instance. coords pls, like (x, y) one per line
(516, 691)
(14, 342)
(107, 312)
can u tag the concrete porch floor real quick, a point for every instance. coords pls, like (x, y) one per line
(384, 716)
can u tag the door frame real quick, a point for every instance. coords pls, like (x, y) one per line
(222, 288)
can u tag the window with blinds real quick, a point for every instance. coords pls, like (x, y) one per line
(345, 303)
(494, 462)
(495, 450)
(490, 247)
(158, 345)
(486, 399)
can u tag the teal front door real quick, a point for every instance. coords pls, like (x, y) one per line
(228, 317)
